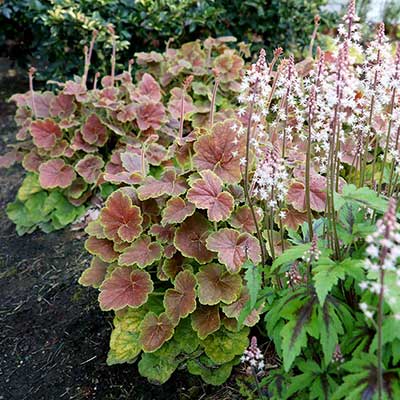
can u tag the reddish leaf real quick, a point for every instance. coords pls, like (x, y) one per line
(142, 252)
(149, 115)
(103, 248)
(121, 220)
(242, 219)
(74, 88)
(163, 233)
(125, 287)
(168, 184)
(175, 103)
(173, 266)
(55, 173)
(31, 161)
(176, 211)
(220, 152)
(206, 320)
(94, 275)
(155, 331)
(181, 301)
(62, 106)
(90, 168)
(127, 113)
(234, 248)
(191, 236)
(206, 193)
(59, 149)
(79, 144)
(233, 310)
(229, 65)
(293, 218)
(45, 133)
(216, 285)
(148, 89)
(296, 195)
(94, 132)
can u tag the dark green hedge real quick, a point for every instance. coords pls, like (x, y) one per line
(51, 34)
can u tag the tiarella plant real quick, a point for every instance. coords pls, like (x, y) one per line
(78, 141)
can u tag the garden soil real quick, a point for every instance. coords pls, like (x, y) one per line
(53, 336)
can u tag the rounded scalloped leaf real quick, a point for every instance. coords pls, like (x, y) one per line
(216, 285)
(210, 373)
(234, 248)
(176, 211)
(157, 369)
(205, 320)
(94, 228)
(169, 183)
(242, 219)
(120, 219)
(155, 331)
(62, 106)
(94, 275)
(55, 173)
(142, 252)
(32, 161)
(94, 132)
(125, 287)
(223, 346)
(89, 168)
(45, 133)
(124, 340)
(220, 152)
(148, 88)
(175, 103)
(233, 310)
(296, 195)
(103, 248)
(293, 218)
(149, 115)
(228, 65)
(190, 239)
(206, 193)
(181, 301)
(164, 234)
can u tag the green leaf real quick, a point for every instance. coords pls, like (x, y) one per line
(124, 340)
(290, 255)
(156, 368)
(29, 186)
(210, 372)
(294, 338)
(222, 346)
(363, 196)
(253, 283)
(326, 276)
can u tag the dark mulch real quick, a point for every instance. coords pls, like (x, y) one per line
(53, 337)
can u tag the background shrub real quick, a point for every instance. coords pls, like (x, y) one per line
(51, 34)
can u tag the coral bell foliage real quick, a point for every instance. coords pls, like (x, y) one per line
(86, 136)
(239, 196)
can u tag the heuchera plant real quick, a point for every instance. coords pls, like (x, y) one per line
(78, 139)
(169, 251)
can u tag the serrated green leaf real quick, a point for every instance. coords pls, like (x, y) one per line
(325, 277)
(290, 255)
